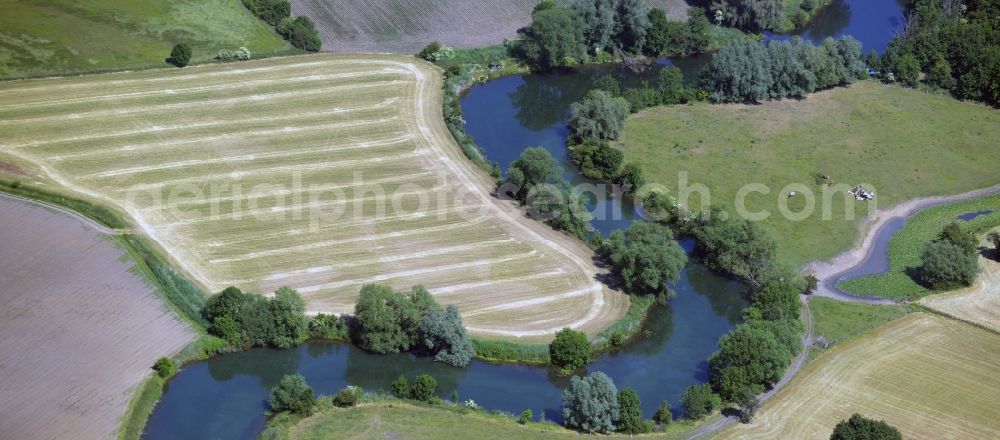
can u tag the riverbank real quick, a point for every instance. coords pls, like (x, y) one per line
(926, 220)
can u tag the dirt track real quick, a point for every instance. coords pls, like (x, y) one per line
(828, 271)
(80, 330)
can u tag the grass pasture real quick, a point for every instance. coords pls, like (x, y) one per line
(58, 37)
(321, 172)
(929, 376)
(907, 245)
(406, 26)
(902, 143)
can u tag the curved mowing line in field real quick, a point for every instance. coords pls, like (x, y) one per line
(415, 177)
(198, 104)
(327, 243)
(422, 271)
(445, 290)
(235, 85)
(247, 158)
(205, 139)
(48, 87)
(232, 175)
(167, 128)
(380, 259)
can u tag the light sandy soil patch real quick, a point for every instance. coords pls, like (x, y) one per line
(321, 172)
(406, 26)
(79, 329)
(929, 376)
(979, 304)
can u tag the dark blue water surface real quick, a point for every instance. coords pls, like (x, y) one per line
(872, 22)
(225, 397)
(969, 216)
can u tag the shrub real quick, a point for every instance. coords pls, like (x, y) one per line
(699, 401)
(347, 397)
(748, 403)
(300, 32)
(570, 349)
(994, 237)
(946, 265)
(599, 115)
(164, 367)
(591, 403)
(525, 417)
(435, 52)
(446, 337)
(645, 257)
(749, 356)
(226, 55)
(597, 159)
(423, 388)
(388, 321)
(293, 394)
(329, 327)
(245, 319)
(662, 416)
(271, 11)
(861, 428)
(629, 412)
(400, 388)
(180, 56)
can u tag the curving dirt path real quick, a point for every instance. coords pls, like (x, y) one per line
(829, 271)
(793, 369)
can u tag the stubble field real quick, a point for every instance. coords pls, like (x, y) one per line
(319, 172)
(929, 376)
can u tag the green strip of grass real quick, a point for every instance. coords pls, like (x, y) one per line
(908, 243)
(840, 321)
(380, 415)
(59, 37)
(97, 213)
(140, 407)
(504, 351)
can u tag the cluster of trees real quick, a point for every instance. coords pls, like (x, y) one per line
(646, 258)
(861, 428)
(391, 322)
(599, 115)
(755, 354)
(299, 31)
(677, 38)
(734, 246)
(594, 404)
(950, 261)
(749, 71)
(572, 31)
(536, 180)
(956, 44)
(421, 389)
(750, 15)
(250, 320)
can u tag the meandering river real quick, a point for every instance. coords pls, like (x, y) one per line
(225, 397)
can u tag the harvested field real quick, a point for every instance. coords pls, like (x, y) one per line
(406, 26)
(81, 330)
(929, 376)
(320, 172)
(980, 303)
